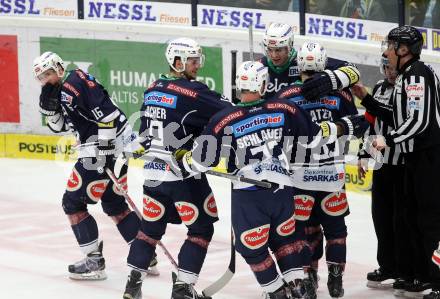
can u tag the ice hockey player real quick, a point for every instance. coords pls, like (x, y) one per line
(388, 200)
(175, 110)
(281, 59)
(75, 101)
(252, 136)
(415, 114)
(329, 208)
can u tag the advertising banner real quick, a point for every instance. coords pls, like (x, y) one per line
(241, 18)
(65, 9)
(126, 69)
(346, 28)
(9, 97)
(138, 11)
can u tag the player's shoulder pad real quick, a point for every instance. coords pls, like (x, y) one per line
(281, 105)
(86, 78)
(344, 94)
(224, 117)
(72, 84)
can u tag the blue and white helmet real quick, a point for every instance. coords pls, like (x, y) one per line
(252, 76)
(183, 48)
(278, 35)
(312, 57)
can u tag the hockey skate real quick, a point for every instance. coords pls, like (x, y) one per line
(182, 290)
(435, 294)
(152, 269)
(379, 279)
(313, 276)
(90, 268)
(133, 288)
(302, 288)
(334, 283)
(281, 293)
(416, 289)
(399, 287)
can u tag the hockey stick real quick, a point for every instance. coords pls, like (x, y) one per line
(240, 179)
(251, 41)
(233, 75)
(135, 209)
(226, 277)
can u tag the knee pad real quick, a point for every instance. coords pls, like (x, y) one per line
(335, 230)
(115, 206)
(72, 205)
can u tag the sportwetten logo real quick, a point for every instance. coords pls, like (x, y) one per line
(160, 99)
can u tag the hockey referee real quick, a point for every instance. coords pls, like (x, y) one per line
(415, 112)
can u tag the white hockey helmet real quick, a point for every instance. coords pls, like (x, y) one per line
(183, 48)
(48, 61)
(252, 76)
(278, 35)
(312, 57)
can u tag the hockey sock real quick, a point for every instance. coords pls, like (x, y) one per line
(86, 231)
(315, 239)
(336, 251)
(291, 259)
(265, 271)
(141, 252)
(128, 224)
(191, 257)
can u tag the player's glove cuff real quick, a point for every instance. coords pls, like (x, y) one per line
(353, 125)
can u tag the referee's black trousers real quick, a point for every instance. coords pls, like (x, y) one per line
(388, 212)
(422, 182)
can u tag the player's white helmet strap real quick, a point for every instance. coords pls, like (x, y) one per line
(251, 76)
(183, 48)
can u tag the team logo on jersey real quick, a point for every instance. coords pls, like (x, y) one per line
(157, 98)
(227, 119)
(415, 90)
(293, 71)
(75, 181)
(328, 102)
(96, 189)
(71, 88)
(335, 204)
(188, 212)
(303, 206)
(256, 237)
(153, 210)
(182, 90)
(258, 122)
(123, 183)
(287, 227)
(66, 98)
(281, 106)
(210, 206)
(290, 91)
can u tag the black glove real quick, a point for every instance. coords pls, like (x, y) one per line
(320, 84)
(106, 155)
(50, 99)
(353, 125)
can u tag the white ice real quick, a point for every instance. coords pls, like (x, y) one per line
(37, 244)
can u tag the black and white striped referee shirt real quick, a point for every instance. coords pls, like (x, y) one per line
(415, 108)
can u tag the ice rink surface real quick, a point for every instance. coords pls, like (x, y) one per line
(37, 244)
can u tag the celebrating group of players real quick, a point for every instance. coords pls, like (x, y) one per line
(291, 127)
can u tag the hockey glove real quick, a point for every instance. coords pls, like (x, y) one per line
(353, 125)
(50, 99)
(319, 85)
(106, 155)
